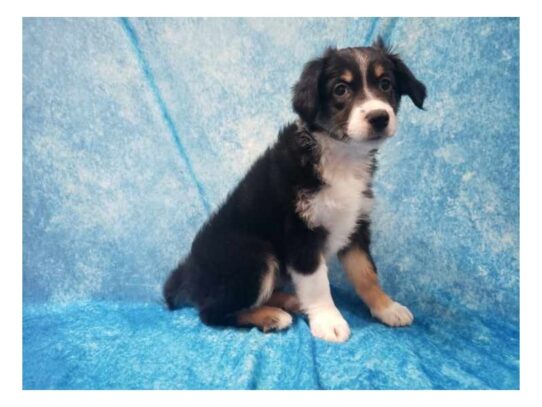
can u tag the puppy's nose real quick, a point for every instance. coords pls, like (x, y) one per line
(379, 119)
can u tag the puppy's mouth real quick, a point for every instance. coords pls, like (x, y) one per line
(372, 136)
(376, 136)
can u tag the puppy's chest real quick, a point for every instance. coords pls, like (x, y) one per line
(338, 205)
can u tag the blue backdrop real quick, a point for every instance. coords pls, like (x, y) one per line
(135, 129)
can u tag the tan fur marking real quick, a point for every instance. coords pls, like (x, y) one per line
(268, 281)
(379, 70)
(265, 318)
(286, 301)
(347, 76)
(362, 275)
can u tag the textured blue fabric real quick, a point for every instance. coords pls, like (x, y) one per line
(134, 129)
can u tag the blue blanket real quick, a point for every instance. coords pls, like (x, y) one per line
(135, 129)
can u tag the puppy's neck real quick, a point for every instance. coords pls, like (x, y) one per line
(344, 158)
(349, 148)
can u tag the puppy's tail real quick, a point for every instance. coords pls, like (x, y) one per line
(175, 290)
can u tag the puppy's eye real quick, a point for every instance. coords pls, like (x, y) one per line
(384, 84)
(340, 89)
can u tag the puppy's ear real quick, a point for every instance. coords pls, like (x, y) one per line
(407, 83)
(381, 45)
(306, 93)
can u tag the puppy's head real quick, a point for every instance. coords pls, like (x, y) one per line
(353, 94)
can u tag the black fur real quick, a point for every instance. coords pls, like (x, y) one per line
(224, 270)
(407, 84)
(229, 255)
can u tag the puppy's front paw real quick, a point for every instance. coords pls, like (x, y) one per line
(394, 314)
(328, 324)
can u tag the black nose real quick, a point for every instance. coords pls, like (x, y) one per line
(379, 119)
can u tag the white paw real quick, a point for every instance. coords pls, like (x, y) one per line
(394, 314)
(284, 321)
(328, 324)
(277, 322)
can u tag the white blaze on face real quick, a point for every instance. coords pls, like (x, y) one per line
(359, 128)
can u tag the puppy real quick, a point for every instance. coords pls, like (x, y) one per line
(308, 197)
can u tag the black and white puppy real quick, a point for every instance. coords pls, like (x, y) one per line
(308, 197)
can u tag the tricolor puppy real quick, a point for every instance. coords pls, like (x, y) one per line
(308, 197)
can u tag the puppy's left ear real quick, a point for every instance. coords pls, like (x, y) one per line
(407, 83)
(306, 93)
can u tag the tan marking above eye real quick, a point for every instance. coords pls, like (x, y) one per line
(379, 70)
(347, 76)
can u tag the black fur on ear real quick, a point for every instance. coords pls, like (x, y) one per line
(407, 83)
(306, 91)
(379, 44)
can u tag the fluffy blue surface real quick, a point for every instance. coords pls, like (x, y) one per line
(134, 129)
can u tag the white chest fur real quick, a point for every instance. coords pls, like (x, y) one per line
(346, 171)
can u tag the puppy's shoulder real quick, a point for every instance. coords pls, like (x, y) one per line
(296, 150)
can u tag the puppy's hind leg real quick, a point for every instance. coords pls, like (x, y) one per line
(271, 316)
(236, 282)
(286, 301)
(266, 318)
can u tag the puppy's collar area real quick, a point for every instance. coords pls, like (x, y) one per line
(305, 128)
(354, 147)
